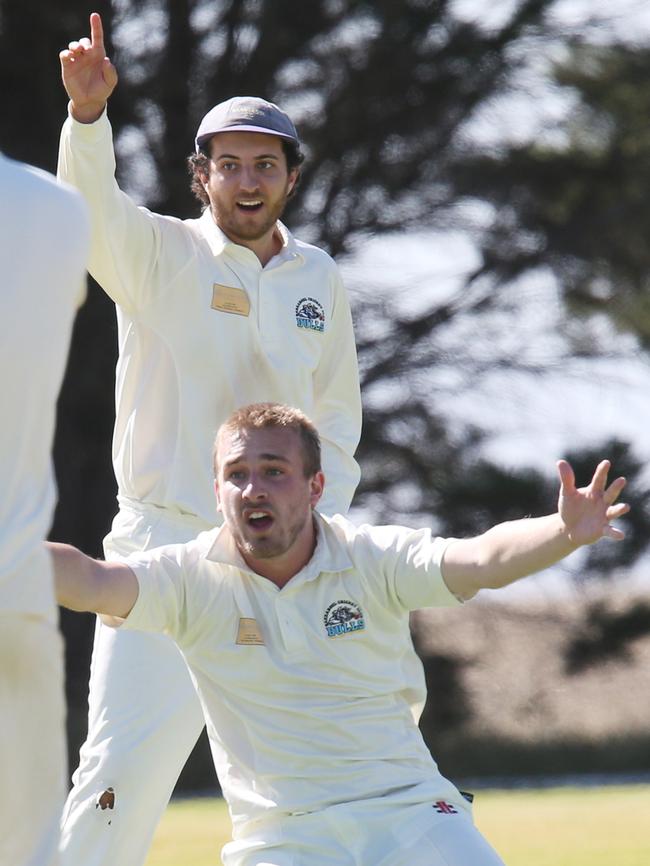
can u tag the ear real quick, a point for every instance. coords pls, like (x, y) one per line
(294, 174)
(316, 487)
(203, 175)
(216, 493)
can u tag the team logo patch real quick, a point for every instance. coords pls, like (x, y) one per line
(342, 617)
(310, 314)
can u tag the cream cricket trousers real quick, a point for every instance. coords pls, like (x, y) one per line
(33, 759)
(378, 832)
(144, 718)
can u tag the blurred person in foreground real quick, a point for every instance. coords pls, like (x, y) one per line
(43, 253)
(213, 313)
(295, 628)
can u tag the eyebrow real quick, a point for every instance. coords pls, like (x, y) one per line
(259, 156)
(278, 458)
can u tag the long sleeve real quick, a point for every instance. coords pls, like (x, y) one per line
(337, 403)
(125, 238)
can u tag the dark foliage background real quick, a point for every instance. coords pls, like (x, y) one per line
(385, 94)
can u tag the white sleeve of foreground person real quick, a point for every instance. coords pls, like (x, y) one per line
(43, 252)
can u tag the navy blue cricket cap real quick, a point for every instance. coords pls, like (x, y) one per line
(246, 114)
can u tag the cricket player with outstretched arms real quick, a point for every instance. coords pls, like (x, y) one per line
(43, 251)
(213, 313)
(295, 629)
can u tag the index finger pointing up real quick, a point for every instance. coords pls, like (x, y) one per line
(96, 30)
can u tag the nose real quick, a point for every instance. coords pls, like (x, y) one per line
(248, 179)
(254, 490)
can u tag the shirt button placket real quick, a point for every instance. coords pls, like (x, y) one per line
(288, 623)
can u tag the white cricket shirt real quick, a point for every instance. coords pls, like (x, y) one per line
(43, 248)
(311, 692)
(204, 329)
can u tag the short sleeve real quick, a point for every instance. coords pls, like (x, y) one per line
(410, 562)
(160, 606)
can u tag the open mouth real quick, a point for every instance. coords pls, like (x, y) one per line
(259, 520)
(250, 206)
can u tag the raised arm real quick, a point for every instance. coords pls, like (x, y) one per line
(512, 550)
(88, 75)
(85, 584)
(124, 238)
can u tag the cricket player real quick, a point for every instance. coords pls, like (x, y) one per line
(43, 251)
(213, 313)
(295, 629)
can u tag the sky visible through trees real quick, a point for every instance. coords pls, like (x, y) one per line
(479, 171)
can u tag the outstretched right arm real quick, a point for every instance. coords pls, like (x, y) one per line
(88, 75)
(85, 584)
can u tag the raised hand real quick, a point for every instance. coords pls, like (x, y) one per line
(587, 511)
(88, 75)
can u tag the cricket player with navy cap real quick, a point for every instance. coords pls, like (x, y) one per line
(213, 313)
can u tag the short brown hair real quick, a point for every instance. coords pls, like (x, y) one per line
(257, 416)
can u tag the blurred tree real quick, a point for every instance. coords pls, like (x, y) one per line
(578, 205)
(606, 635)
(383, 93)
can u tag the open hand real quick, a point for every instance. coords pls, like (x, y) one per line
(88, 75)
(587, 511)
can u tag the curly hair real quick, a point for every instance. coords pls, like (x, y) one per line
(198, 166)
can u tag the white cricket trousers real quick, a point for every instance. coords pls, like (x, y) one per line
(144, 718)
(33, 757)
(379, 832)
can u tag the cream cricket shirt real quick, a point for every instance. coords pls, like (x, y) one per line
(43, 249)
(203, 329)
(311, 693)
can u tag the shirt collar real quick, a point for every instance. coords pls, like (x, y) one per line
(330, 554)
(220, 242)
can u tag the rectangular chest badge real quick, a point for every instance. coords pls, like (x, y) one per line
(248, 633)
(230, 299)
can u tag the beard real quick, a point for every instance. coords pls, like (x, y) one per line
(240, 226)
(277, 543)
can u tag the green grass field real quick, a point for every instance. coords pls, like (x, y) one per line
(553, 827)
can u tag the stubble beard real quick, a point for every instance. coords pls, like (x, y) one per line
(270, 547)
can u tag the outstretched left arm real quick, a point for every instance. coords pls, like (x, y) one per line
(512, 550)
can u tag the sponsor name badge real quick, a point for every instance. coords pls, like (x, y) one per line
(248, 633)
(229, 299)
